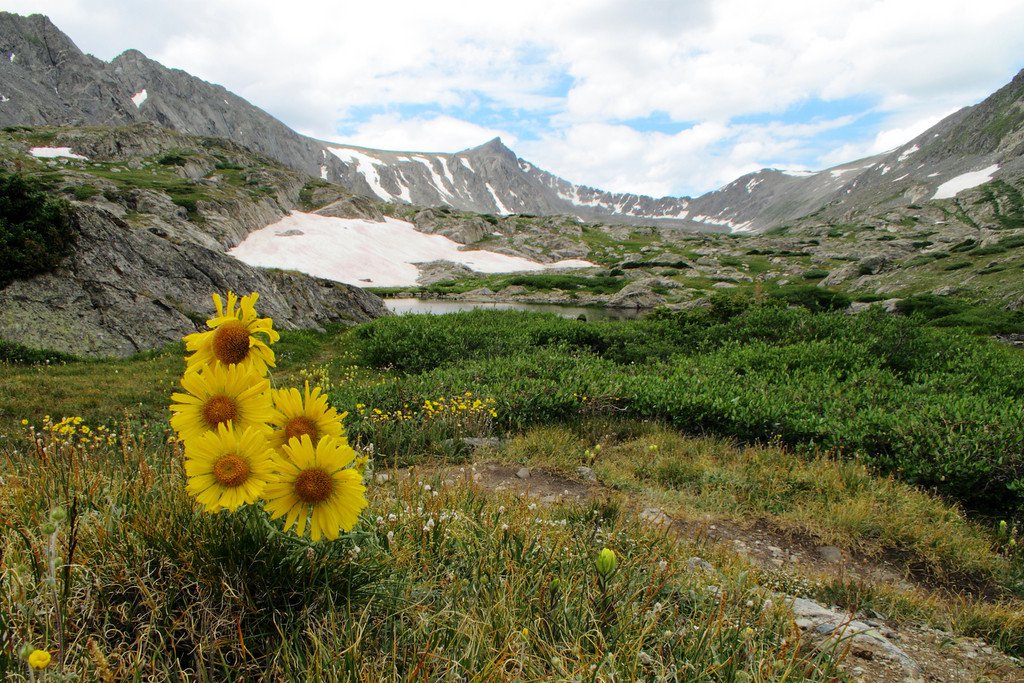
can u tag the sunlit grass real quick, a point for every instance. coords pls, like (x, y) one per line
(437, 581)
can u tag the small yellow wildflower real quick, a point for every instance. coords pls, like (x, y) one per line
(39, 659)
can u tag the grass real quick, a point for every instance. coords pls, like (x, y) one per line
(145, 585)
(421, 589)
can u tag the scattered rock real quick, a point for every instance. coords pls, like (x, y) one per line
(637, 295)
(695, 563)
(656, 516)
(866, 642)
(585, 473)
(481, 442)
(830, 554)
(523, 473)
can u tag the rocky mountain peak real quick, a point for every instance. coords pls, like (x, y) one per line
(494, 147)
(52, 82)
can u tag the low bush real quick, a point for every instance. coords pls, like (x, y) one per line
(933, 406)
(36, 231)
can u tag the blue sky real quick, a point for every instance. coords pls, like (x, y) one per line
(652, 96)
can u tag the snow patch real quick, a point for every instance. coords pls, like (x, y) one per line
(323, 172)
(53, 152)
(907, 152)
(795, 172)
(447, 171)
(502, 210)
(733, 227)
(403, 188)
(900, 178)
(965, 181)
(840, 171)
(435, 176)
(366, 166)
(754, 182)
(885, 169)
(140, 97)
(12, 57)
(362, 253)
(465, 162)
(4, 98)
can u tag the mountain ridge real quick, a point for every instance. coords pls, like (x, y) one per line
(489, 178)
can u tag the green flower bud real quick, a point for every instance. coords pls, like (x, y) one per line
(58, 515)
(606, 562)
(25, 650)
(49, 528)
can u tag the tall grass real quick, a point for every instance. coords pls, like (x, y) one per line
(437, 582)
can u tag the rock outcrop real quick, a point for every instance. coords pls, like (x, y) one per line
(126, 290)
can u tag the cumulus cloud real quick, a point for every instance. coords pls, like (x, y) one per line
(570, 79)
(422, 134)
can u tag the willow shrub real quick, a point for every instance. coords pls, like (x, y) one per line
(933, 406)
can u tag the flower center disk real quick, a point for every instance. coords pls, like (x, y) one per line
(231, 470)
(314, 486)
(298, 426)
(231, 343)
(219, 409)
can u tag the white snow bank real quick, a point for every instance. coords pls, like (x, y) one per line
(964, 182)
(364, 253)
(502, 209)
(796, 172)
(53, 152)
(140, 97)
(366, 166)
(907, 152)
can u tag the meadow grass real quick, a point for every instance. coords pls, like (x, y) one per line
(438, 581)
(454, 582)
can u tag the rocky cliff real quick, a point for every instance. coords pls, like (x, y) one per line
(154, 212)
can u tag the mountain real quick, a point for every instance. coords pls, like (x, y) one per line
(46, 79)
(152, 212)
(974, 144)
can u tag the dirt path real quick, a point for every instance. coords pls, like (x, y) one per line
(930, 654)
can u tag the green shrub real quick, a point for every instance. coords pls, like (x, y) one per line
(812, 298)
(83, 192)
(36, 231)
(815, 274)
(175, 158)
(931, 405)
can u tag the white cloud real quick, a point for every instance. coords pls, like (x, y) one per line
(884, 140)
(575, 72)
(422, 134)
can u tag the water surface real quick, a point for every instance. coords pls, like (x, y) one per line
(440, 306)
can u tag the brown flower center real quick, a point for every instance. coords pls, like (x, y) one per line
(231, 342)
(297, 426)
(219, 409)
(314, 486)
(231, 470)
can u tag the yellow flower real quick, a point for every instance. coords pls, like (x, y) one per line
(24, 421)
(606, 562)
(39, 659)
(306, 413)
(316, 482)
(236, 336)
(220, 394)
(227, 468)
